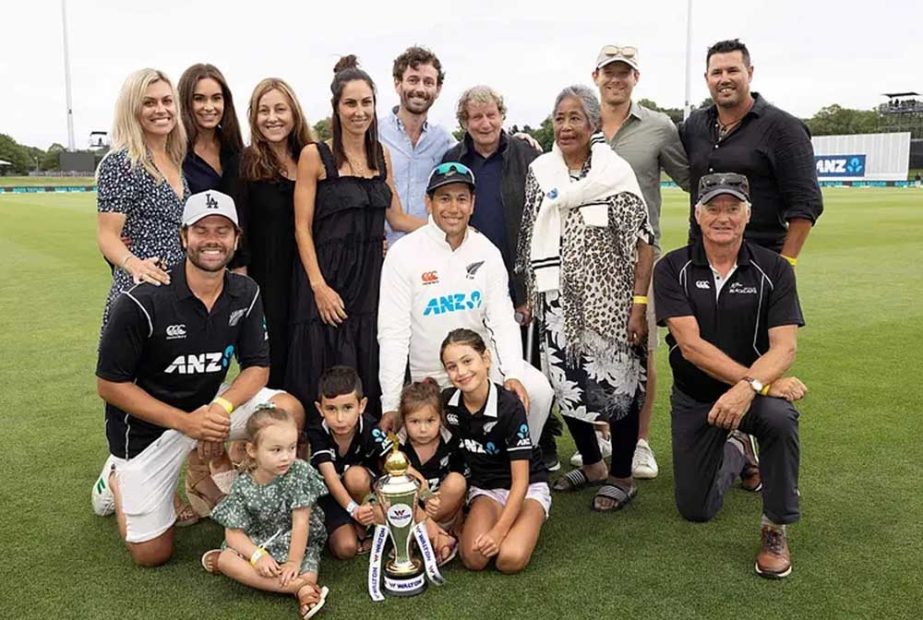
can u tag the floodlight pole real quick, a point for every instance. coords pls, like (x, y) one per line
(71, 145)
(687, 109)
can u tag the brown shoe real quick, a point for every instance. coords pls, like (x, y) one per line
(774, 561)
(750, 478)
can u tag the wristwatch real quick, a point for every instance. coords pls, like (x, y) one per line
(756, 384)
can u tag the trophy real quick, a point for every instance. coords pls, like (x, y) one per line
(397, 494)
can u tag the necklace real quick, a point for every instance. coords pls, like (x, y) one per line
(357, 167)
(725, 129)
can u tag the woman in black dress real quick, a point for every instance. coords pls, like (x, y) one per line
(279, 132)
(343, 195)
(213, 152)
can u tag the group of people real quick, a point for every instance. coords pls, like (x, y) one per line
(387, 279)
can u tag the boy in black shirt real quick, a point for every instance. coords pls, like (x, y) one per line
(346, 448)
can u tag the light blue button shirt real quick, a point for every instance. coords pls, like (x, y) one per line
(411, 164)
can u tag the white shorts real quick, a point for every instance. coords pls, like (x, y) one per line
(148, 481)
(538, 491)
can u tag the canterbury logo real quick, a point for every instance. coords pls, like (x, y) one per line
(210, 202)
(430, 277)
(702, 284)
(176, 331)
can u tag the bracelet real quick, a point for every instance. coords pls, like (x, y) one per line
(260, 552)
(125, 260)
(352, 507)
(791, 261)
(639, 299)
(765, 389)
(224, 403)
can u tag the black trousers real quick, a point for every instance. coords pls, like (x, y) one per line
(624, 434)
(705, 465)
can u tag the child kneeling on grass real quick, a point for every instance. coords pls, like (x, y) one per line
(509, 497)
(346, 448)
(273, 533)
(436, 461)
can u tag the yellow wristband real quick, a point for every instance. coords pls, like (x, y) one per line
(225, 404)
(260, 552)
(639, 299)
(791, 261)
(765, 389)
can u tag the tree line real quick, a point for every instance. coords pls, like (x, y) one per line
(830, 120)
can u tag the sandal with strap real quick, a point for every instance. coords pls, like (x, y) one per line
(185, 514)
(575, 480)
(308, 610)
(620, 497)
(210, 561)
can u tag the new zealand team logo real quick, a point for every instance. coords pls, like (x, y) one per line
(473, 269)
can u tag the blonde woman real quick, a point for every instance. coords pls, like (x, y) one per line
(141, 189)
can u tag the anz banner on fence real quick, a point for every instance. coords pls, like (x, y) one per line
(862, 157)
(838, 166)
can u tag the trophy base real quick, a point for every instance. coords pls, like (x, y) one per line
(404, 585)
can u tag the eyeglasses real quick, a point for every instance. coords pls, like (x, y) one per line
(627, 51)
(450, 168)
(730, 179)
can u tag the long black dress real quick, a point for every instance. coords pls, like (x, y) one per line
(349, 225)
(267, 217)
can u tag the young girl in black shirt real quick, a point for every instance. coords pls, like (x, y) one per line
(508, 497)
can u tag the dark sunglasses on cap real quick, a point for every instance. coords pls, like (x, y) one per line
(447, 173)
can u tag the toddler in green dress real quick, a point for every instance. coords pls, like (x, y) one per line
(274, 531)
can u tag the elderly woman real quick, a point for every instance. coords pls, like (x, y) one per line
(585, 249)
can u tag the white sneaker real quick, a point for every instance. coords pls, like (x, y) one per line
(643, 464)
(605, 447)
(101, 497)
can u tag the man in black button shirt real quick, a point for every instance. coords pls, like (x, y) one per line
(741, 132)
(733, 315)
(162, 359)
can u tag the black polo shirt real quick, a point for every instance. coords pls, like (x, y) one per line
(758, 295)
(368, 445)
(492, 437)
(773, 149)
(448, 458)
(489, 215)
(164, 339)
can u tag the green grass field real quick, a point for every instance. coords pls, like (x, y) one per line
(46, 181)
(857, 551)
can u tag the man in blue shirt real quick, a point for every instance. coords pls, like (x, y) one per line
(416, 145)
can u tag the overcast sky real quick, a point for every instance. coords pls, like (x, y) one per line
(806, 54)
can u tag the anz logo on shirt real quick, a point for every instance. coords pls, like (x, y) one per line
(201, 363)
(476, 447)
(523, 435)
(454, 302)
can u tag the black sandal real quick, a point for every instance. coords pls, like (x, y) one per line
(575, 480)
(619, 495)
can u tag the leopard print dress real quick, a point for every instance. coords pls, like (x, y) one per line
(595, 373)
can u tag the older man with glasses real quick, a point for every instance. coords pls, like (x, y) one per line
(733, 313)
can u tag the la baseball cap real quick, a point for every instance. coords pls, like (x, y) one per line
(209, 202)
(618, 53)
(712, 185)
(448, 173)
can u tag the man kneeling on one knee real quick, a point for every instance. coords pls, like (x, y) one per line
(162, 359)
(733, 314)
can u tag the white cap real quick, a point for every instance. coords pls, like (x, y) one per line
(209, 202)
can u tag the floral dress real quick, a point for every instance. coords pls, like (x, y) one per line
(595, 373)
(264, 512)
(153, 215)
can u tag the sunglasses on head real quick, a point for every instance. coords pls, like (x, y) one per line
(450, 168)
(728, 180)
(626, 51)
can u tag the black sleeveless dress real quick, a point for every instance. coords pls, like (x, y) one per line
(349, 231)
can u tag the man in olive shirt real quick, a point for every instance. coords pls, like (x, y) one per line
(649, 141)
